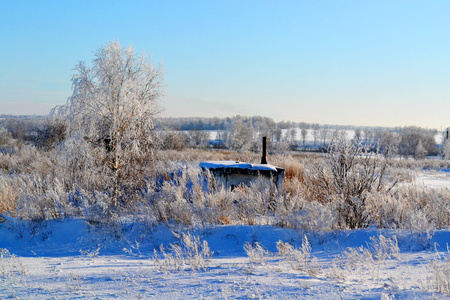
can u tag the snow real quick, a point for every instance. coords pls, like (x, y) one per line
(236, 164)
(71, 259)
(433, 179)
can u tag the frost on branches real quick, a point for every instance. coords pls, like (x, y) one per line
(110, 119)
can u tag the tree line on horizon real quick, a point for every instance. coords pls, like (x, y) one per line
(242, 133)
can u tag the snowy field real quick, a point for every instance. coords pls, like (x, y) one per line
(433, 180)
(72, 260)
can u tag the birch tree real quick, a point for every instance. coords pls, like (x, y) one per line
(112, 111)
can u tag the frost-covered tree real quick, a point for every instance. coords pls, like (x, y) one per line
(241, 136)
(110, 115)
(198, 138)
(409, 140)
(358, 135)
(420, 151)
(368, 136)
(388, 143)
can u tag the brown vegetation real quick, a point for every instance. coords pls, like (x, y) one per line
(38, 185)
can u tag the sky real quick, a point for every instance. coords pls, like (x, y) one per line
(365, 63)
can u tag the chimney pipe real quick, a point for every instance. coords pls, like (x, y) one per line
(264, 151)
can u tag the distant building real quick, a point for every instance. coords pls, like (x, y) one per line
(217, 143)
(231, 174)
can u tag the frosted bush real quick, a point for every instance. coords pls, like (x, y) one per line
(169, 262)
(366, 259)
(26, 159)
(347, 175)
(93, 206)
(183, 196)
(441, 273)
(5, 136)
(386, 211)
(8, 194)
(256, 253)
(384, 248)
(419, 225)
(299, 259)
(10, 265)
(190, 253)
(41, 198)
(170, 203)
(356, 260)
(318, 217)
(438, 207)
(256, 204)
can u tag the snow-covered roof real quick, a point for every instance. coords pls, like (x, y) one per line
(236, 164)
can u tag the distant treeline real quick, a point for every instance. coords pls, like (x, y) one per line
(197, 123)
(21, 127)
(242, 133)
(200, 123)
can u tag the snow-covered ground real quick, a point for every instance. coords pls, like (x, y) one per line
(433, 179)
(73, 260)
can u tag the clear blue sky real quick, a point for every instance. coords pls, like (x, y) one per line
(382, 63)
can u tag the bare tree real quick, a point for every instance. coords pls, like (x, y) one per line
(173, 140)
(198, 138)
(304, 133)
(324, 135)
(316, 133)
(111, 112)
(292, 134)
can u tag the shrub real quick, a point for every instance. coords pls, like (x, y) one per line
(5, 136)
(8, 195)
(441, 273)
(368, 258)
(348, 174)
(256, 253)
(299, 259)
(189, 253)
(10, 265)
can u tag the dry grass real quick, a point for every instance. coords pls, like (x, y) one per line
(29, 189)
(8, 196)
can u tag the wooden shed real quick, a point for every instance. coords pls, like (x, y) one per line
(233, 173)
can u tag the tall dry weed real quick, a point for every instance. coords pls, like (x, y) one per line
(8, 195)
